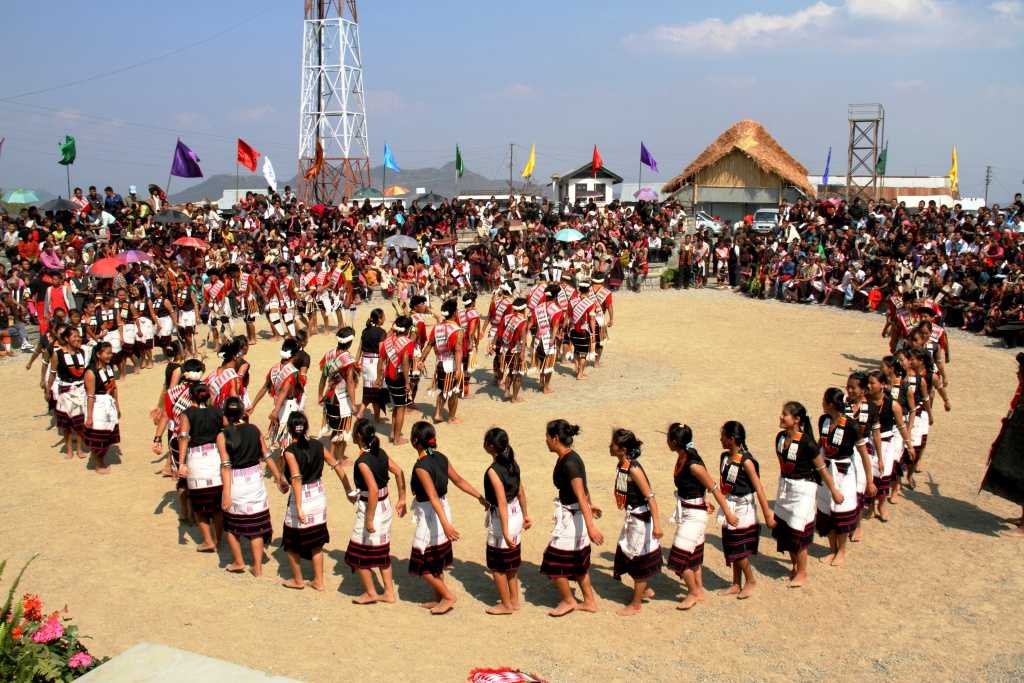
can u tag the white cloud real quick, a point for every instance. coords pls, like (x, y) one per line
(894, 10)
(747, 30)
(254, 113)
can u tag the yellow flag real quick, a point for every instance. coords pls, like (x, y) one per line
(531, 162)
(954, 173)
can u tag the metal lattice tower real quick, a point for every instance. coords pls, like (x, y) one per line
(332, 103)
(867, 131)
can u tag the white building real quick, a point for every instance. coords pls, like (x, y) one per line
(583, 184)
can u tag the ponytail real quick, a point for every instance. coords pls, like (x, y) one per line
(496, 439)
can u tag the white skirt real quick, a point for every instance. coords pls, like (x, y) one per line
(203, 467)
(847, 485)
(796, 502)
(248, 494)
(637, 536)
(382, 517)
(492, 522)
(569, 530)
(428, 525)
(691, 523)
(314, 506)
(104, 413)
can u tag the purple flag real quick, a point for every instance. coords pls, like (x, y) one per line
(186, 163)
(647, 159)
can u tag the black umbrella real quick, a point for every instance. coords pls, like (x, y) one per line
(171, 217)
(59, 204)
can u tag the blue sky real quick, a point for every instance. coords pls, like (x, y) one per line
(564, 75)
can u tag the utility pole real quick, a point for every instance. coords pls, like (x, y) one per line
(988, 181)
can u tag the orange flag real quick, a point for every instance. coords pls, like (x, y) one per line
(247, 156)
(597, 163)
(318, 163)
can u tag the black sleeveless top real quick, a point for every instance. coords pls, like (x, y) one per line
(310, 458)
(568, 468)
(735, 480)
(204, 424)
(509, 482)
(435, 464)
(71, 366)
(378, 465)
(625, 486)
(242, 442)
(687, 485)
(797, 460)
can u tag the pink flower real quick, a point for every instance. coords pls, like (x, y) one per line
(51, 630)
(80, 660)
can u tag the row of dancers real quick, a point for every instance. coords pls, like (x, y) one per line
(828, 483)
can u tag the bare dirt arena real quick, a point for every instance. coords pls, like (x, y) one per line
(934, 593)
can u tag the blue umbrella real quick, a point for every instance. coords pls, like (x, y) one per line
(568, 235)
(21, 196)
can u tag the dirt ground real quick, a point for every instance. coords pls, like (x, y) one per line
(933, 593)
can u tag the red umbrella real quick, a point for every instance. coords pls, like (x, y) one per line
(105, 267)
(193, 242)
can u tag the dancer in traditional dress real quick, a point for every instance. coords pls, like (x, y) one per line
(199, 464)
(243, 463)
(394, 371)
(858, 408)
(839, 439)
(893, 434)
(369, 546)
(638, 552)
(568, 553)
(368, 359)
(282, 383)
(446, 340)
(102, 407)
(305, 520)
(432, 540)
(337, 389)
(506, 519)
(692, 481)
(801, 464)
(1003, 474)
(741, 482)
(513, 350)
(66, 376)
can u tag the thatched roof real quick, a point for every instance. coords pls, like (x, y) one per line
(751, 139)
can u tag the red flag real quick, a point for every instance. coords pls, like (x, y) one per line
(247, 156)
(597, 163)
(318, 163)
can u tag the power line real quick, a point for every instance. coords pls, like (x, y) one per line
(136, 65)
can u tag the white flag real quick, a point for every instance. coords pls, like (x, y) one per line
(268, 173)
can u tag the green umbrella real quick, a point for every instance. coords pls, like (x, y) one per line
(21, 196)
(368, 193)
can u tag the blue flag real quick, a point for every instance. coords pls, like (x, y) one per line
(389, 159)
(828, 162)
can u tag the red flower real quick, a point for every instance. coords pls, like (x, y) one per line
(33, 607)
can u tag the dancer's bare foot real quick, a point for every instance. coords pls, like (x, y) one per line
(731, 590)
(747, 591)
(443, 607)
(499, 609)
(562, 609)
(689, 602)
(294, 584)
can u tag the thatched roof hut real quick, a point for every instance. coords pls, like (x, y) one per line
(743, 157)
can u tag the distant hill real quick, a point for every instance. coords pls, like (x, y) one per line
(439, 180)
